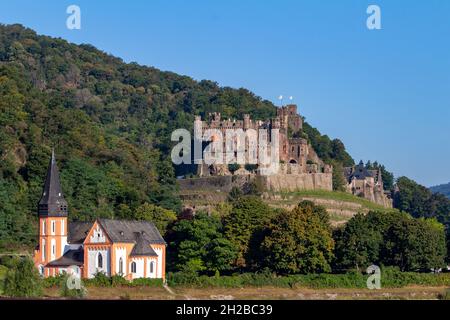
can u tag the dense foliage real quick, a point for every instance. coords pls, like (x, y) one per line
(390, 239)
(419, 201)
(22, 280)
(391, 278)
(327, 149)
(242, 226)
(199, 244)
(299, 241)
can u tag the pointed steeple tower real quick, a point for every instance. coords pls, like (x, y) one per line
(52, 203)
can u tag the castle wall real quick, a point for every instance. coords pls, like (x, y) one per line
(302, 181)
(276, 182)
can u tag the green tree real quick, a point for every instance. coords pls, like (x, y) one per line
(23, 281)
(198, 245)
(299, 241)
(390, 239)
(161, 217)
(338, 178)
(248, 214)
(359, 242)
(415, 244)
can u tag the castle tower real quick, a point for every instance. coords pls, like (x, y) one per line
(52, 211)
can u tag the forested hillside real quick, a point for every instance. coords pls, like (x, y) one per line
(110, 123)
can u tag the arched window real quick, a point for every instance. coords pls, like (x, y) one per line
(151, 266)
(53, 227)
(133, 267)
(100, 260)
(121, 266)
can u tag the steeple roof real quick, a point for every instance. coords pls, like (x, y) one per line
(52, 202)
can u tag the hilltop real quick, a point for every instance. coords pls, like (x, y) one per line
(443, 188)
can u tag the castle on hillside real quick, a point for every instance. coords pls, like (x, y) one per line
(131, 249)
(295, 154)
(300, 167)
(367, 184)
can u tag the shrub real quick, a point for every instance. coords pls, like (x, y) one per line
(24, 281)
(146, 282)
(68, 292)
(390, 278)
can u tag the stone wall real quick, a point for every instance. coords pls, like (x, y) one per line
(277, 182)
(214, 183)
(294, 182)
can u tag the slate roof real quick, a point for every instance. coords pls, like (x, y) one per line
(359, 172)
(70, 258)
(125, 230)
(78, 231)
(52, 203)
(142, 247)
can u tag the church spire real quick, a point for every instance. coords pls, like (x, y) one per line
(52, 202)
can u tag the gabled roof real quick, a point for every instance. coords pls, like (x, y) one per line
(70, 258)
(78, 231)
(52, 202)
(359, 172)
(124, 231)
(142, 247)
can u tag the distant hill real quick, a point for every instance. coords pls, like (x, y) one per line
(443, 188)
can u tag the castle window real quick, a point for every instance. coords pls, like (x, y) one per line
(121, 266)
(133, 267)
(151, 266)
(53, 227)
(100, 260)
(43, 227)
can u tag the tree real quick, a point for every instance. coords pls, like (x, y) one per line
(23, 281)
(391, 239)
(198, 245)
(359, 242)
(415, 244)
(338, 178)
(161, 217)
(248, 214)
(299, 241)
(232, 167)
(420, 201)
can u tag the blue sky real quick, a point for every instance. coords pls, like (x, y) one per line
(385, 93)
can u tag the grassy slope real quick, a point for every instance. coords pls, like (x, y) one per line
(340, 205)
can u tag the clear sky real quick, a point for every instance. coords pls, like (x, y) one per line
(385, 93)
